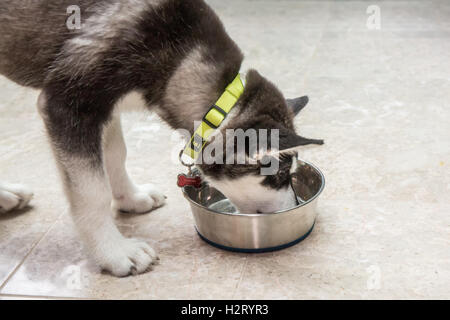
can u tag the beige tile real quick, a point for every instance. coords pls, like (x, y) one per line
(19, 297)
(188, 268)
(25, 158)
(272, 21)
(352, 16)
(382, 54)
(376, 102)
(359, 250)
(358, 166)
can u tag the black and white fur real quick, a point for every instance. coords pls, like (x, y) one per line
(176, 56)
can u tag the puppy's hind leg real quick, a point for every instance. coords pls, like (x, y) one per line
(127, 196)
(77, 144)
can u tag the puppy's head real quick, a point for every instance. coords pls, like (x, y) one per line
(251, 160)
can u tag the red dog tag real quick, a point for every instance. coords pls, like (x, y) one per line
(184, 180)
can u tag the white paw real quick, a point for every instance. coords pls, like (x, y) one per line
(14, 196)
(127, 257)
(144, 199)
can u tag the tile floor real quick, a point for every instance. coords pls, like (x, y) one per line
(380, 99)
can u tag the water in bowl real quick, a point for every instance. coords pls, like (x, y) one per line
(225, 206)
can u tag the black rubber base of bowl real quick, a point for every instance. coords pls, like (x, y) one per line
(259, 250)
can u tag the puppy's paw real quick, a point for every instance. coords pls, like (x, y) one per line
(144, 199)
(127, 257)
(14, 196)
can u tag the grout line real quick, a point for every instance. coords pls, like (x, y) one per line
(244, 267)
(3, 285)
(319, 42)
(39, 297)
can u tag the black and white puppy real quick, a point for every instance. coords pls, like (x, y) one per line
(174, 54)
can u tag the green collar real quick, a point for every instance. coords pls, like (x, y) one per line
(214, 117)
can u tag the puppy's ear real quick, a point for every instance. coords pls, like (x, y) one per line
(297, 104)
(289, 139)
(289, 144)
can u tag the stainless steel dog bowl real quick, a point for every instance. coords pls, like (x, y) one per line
(257, 232)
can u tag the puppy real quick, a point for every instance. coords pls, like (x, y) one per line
(177, 56)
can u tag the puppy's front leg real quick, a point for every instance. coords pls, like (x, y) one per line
(76, 137)
(127, 196)
(13, 196)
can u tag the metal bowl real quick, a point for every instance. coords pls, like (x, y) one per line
(258, 232)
